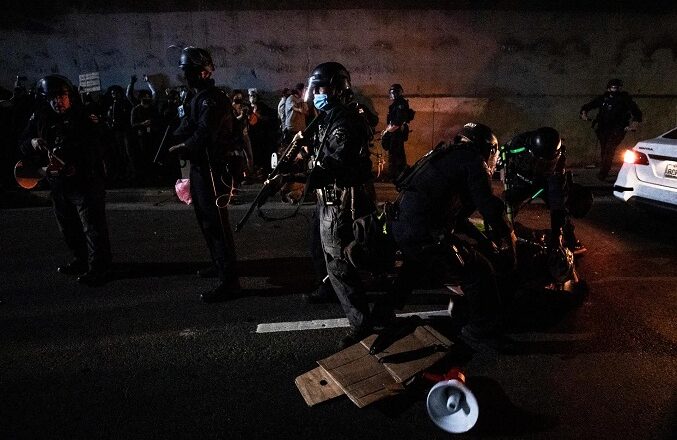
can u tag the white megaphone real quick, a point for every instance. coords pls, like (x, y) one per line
(451, 405)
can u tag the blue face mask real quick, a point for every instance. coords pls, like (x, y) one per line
(321, 101)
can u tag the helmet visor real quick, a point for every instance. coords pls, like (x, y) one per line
(313, 83)
(491, 161)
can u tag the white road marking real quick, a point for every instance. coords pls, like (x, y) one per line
(318, 324)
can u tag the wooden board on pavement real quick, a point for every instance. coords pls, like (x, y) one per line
(360, 375)
(367, 378)
(316, 386)
(412, 353)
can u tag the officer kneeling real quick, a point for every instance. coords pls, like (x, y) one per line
(437, 196)
(535, 166)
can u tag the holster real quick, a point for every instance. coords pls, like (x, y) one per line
(331, 195)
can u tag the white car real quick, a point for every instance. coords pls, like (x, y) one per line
(649, 173)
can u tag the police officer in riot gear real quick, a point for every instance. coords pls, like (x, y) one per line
(342, 168)
(66, 139)
(397, 131)
(325, 292)
(534, 164)
(618, 113)
(207, 132)
(437, 196)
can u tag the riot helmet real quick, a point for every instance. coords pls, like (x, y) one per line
(58, 91)
(396, 91)
(545, 149)
(614, 83)
(196, 58)
(332, 75)
(545, 143)
(54, 85)
(481, 138)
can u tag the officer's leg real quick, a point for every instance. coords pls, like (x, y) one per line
(397, 161)
(614, 142)
(219, 241)
(607, 151)
(325, 291)
(343, 276)
(92, 211)
(68, 220)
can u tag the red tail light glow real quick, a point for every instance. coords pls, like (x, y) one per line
(635, 157)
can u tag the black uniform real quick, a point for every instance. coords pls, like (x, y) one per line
(442, 191)
(393, 142)
(616, 111)
(207, 130)
(527, 177)
(78, 199)
(341, 146)
(325, 292)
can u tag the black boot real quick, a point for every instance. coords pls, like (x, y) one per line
(94, 278)
(75, 267)
(322, 295)
(225, 292)
(354, 336)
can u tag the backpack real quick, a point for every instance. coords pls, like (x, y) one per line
(410, 114)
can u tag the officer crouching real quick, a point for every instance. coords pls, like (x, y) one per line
(62, 136)
(437, 196)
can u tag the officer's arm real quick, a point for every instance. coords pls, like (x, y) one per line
(595, 103)
(211, 116)
(635, 111)
(491, 207)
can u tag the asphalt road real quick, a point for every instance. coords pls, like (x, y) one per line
(143, 358)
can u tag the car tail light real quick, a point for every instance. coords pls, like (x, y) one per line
(635, 157)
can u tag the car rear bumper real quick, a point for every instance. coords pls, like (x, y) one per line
(632, 190)
(641, 201)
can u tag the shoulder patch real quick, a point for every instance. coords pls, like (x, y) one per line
(340, 134)
(209, 102)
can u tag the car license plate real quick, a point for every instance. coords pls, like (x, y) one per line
(671, 170)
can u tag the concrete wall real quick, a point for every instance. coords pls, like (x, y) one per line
(511, 70)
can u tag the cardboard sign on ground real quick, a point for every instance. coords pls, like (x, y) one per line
(366, 378)
(317, 386)
(412, 353)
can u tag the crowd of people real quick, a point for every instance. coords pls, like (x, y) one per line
(135, 125)
(99, 140)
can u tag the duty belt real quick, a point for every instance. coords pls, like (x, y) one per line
(330, 195)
